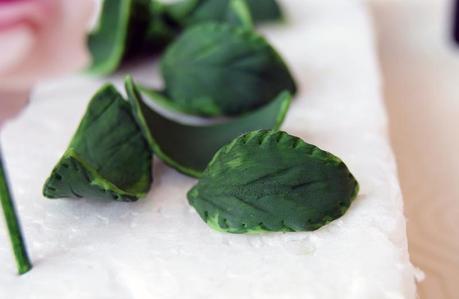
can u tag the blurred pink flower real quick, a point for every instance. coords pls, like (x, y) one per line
(41, 39)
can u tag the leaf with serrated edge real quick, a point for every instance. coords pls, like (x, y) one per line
(272, 181)
(108, 156)
(189, 148)
(219, 69)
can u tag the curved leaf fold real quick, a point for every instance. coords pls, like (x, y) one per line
(190, 148)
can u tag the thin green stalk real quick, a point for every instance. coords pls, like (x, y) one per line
(12, 223)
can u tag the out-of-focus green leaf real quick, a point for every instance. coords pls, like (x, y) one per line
(239, 14)
(190, 12)
(125, 29)
(264, 10)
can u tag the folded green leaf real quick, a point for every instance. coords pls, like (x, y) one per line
(127, 28)
(271, 181)
(219, 69)
(107, 43)
(189, 148)
(108, 156)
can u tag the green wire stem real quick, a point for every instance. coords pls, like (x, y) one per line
(12, 223)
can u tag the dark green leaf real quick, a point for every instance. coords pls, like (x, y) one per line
(108, 156)
(239, 14)
(206, 11)
(107, 43)
(127, 28)
(157, 32)
(219, 69)
(264, 10)
(182, 9)
(189, 148)
(271, 181)
(190, 12)
(235, 12)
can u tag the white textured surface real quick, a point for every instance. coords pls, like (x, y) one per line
(159, 247)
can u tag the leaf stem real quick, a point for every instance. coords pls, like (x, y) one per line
(12, 223)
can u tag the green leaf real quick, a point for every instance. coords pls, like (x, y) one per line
(108, 156)
(108, 41)
(178, 11)
(189, 148)
(265, 10)
(127, 28)
(239, 14)
(272, 181)
(219, 69)
(156, 32)
(191, 12)
(204, 11)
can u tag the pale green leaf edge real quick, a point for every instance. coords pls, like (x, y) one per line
(113, 60)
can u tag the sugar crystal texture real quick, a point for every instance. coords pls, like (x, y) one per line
(159, 247)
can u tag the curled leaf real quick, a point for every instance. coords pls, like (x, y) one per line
(127, 28)
(219, 69)
(189, 148)
(272, 181)
(108, 156)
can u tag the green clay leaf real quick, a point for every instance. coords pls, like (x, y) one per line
(272, 181)
(218, 69)
(127, 28)
(156, 33)
(235, 12)
(108, 156)
(189, 148)
(239, 14)
(178, 11)
(192, 12)
(107, 42)
(264, 10)
(204, 11)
